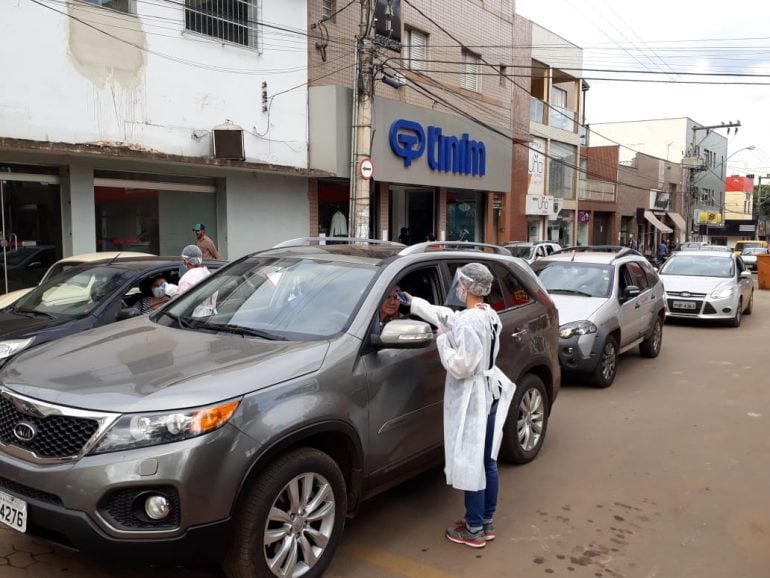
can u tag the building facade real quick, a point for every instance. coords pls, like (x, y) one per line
(740, 220)
(443, 126)
(107, 132)
(702, 153)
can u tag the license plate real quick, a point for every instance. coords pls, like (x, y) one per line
(13, 512)
(684, 305)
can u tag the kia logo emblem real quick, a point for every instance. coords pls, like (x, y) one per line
(24, 431)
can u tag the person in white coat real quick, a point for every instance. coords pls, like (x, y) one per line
(477, 395)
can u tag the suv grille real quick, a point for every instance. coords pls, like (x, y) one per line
(55, 436)
(28, 492)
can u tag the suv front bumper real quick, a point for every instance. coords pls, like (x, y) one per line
(94, 504)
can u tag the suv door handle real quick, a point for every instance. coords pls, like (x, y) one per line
(519, 332)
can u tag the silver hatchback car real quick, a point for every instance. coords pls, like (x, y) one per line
(609, 302)
(248, 418)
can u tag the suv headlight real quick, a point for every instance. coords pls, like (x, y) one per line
(140, 430)
(576, 328)
(722, 293)
(9, 347)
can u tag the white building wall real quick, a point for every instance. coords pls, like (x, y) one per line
(160, 87)
(663, 138)
(263, 210)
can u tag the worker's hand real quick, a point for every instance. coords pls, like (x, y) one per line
(404, 297)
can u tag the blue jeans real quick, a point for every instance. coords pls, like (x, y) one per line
(480, 506)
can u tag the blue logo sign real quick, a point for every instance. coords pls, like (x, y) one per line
(448, 154)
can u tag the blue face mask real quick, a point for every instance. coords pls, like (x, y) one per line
(182, 269)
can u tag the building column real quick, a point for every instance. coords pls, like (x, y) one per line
(78, 209)
(383, 227)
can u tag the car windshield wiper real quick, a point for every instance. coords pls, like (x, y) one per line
(243, 330)
(571, 292)
(32, 313)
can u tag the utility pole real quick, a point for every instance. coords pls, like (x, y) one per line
(691, 201)
(361, 138)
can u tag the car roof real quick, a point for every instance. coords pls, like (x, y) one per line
(99, 256)
(600, 257)
(703, 253)
(141, 263)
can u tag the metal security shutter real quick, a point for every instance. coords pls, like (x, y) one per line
(417, 50)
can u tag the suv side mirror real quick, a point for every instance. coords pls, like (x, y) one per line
(630, 292)
(404, 334)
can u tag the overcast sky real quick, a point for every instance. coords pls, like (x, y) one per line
(674, 37)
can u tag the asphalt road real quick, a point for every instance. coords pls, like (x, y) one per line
(665, 474)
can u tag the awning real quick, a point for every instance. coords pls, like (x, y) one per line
(656, 223)
(678, 221)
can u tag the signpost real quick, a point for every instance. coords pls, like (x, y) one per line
(366, 168)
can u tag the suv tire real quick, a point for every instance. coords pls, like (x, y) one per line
(650, 347)
(527, 419)
(607, 368)
(315, 532)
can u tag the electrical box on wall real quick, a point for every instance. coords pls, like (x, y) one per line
(227, 140)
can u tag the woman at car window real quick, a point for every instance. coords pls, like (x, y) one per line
(158, 297)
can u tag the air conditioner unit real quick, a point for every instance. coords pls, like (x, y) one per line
(227, 140)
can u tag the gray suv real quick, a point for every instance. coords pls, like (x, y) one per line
(245, 420)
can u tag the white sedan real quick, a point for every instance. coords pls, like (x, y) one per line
(749, 256)
(707, 285)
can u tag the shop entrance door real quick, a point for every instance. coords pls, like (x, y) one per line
(30, 229)
(412, 214)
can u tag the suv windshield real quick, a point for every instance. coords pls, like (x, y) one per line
(75, 292)
(286, 298)
(576, 278)
(699, 266)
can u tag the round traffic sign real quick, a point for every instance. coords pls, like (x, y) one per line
(366, 168)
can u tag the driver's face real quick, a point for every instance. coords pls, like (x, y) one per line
(390, 306)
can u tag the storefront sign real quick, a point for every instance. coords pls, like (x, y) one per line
(450, 154)
(536, 172)
(584, 216)
(659, 200)
(709, 218)
(539, 205)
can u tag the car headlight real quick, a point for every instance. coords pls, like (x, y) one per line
(9, 347)
(132, 431)
(576, 328)
(722, 293)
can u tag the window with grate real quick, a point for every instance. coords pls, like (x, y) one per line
(416, 52)
(126, 6)
(228, 20)
(470, 79)
(328, 7)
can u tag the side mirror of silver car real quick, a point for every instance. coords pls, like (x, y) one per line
(746, 275)
(630, 292)
(404, 334)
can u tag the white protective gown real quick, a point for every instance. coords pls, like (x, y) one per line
(470, 388)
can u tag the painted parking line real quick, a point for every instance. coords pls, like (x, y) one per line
(395, 564)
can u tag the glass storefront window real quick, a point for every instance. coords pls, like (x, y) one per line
(32, 236)
(561, 229)
(151, 221)
(464, 216)
(561, 170)
(334, 209)
(533, 228)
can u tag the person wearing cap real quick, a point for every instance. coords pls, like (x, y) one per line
(477, 395)
(204, 242)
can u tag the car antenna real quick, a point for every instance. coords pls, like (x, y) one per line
(115, 258)
(573, 256)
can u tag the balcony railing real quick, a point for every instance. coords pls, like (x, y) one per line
(593, 190)
(562, 118)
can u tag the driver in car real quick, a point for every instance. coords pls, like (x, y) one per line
(389, 309)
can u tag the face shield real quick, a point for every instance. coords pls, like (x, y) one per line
(472, 278)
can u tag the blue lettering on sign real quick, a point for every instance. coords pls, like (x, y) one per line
(446, 153)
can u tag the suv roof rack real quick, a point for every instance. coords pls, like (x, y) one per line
(453, 245)
(307, 241)
(599, 249)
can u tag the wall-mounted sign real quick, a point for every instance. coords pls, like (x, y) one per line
(539, 205)
(536, 172)
(584, 216)
(709, 218)
(659, 200)
(445, 153)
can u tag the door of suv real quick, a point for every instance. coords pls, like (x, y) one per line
(406, 389)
